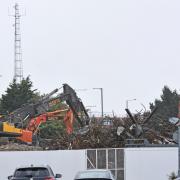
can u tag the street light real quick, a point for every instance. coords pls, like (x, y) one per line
(102, 110)
(81, 89)
(90, 106)
(129, 101)
(176, 122)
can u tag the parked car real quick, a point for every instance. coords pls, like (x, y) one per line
(95, 174)
(34, 173)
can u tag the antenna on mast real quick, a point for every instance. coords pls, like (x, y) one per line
(18, 65)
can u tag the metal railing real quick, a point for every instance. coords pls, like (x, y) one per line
(111, 159)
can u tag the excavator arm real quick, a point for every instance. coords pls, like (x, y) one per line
(42, 106)
(37, 113)
(33, 125)
(75, 105)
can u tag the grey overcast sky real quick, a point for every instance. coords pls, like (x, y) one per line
(130, 48)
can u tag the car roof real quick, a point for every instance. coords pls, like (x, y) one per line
(101, 170)
(80, 175)
(33, 166)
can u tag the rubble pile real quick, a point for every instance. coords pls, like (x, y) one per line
(19, 147)
(98, 136)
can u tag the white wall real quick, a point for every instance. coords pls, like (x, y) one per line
(140, 163)
(150, 163)
(66, 163)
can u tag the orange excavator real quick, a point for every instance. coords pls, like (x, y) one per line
(37, 113)
(29, 133)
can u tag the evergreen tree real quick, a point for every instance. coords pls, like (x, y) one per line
(16, 95)
(172, 176)
(167, 108)
(168, 104)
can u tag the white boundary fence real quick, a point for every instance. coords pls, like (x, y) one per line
(132, 163)
(64, 162)
(150, 163)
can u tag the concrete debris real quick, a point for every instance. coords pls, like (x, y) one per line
(19, 147)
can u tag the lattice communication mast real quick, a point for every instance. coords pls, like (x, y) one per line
(18, 66)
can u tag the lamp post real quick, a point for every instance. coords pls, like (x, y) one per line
(178, 140)
(176, 121)
(178, 124)
(178, 151)
(102, 108)
(128, 101)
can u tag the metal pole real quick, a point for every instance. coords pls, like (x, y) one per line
(102, 103)
(126, 104)
(178, 151)
(178, 124)
(102, 108)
